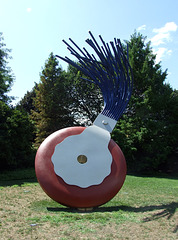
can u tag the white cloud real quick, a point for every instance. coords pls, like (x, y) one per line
(142, 27)
(170, 26)
(169, 52)
(163, 34)
(161, 52)
(160, 38)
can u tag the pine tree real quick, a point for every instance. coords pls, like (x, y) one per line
(26, 103)
(52, 106)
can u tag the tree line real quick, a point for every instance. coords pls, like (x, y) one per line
(147, 133)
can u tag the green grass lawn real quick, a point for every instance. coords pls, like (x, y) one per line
(145, 208)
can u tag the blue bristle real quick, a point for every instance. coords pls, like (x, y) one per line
(112, 73)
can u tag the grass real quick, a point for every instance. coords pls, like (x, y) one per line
(145, 208)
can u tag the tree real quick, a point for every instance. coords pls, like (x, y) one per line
(147, 132)
(6, 76)
(16, 135)
(26, 103)
(52, 106)
(16, 129)
(86, 99)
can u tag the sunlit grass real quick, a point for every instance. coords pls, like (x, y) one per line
(148, 204)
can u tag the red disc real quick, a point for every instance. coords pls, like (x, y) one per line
(74, 196)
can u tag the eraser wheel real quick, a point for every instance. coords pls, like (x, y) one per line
(71, 195)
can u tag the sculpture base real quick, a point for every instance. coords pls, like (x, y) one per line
(85, 209)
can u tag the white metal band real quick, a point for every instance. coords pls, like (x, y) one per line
(105, 122)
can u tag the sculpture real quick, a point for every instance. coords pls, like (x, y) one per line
(83, 167)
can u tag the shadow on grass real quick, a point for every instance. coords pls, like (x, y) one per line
(17, 177)
(173, 176)
(18, 182)
(168, 210)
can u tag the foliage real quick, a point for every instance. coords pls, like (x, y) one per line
(85, 97)
(16, 129)
(52, 108)
(62, 100)
(23, 174)
(26, 103)
(6, 77)
(16, 135)
(147, 133)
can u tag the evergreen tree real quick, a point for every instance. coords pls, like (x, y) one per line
(26, 103)
(52, 106)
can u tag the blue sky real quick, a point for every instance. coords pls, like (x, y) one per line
(34, 28)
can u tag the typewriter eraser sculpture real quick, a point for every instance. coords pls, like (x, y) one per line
(83, 167)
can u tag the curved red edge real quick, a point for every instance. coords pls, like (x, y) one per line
(74, 196)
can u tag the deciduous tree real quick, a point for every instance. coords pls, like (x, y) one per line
(16, 129)
(147, 132)
(86, 98)
(6, 76)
